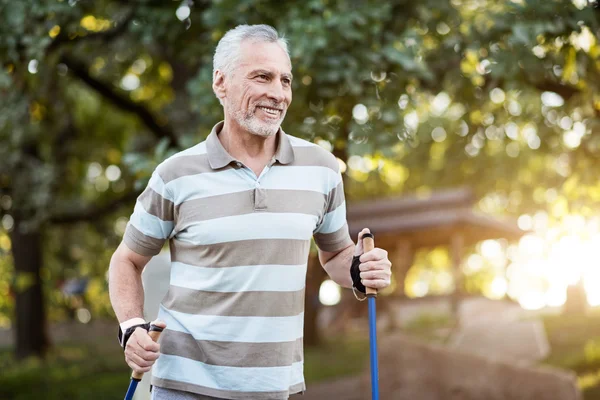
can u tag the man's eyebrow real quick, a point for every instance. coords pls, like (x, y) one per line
(260, 72)
(270, 74)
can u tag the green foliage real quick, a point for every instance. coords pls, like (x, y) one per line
(74, 371)
(335, 359)
(411, 95)
(574, 343)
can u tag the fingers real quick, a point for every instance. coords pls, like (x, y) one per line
(376, 284)
(373, 270)
(159, 323)
(376, 269)
(141, 351)
(374, 255)
(358, 249)
(145, 341)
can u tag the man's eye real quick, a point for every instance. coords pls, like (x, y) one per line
(287, 82)
(265, 77)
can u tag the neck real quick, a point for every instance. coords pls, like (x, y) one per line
(246, 146)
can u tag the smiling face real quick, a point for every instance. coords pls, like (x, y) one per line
(257, 93)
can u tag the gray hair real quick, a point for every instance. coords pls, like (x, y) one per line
(228, 48)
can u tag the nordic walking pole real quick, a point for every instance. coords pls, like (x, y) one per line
(368, 245)
(136, 377)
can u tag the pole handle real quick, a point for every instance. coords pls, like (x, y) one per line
(154, 333)
(369, 244)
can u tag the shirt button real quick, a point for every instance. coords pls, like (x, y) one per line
(239, 164)
(257, 184)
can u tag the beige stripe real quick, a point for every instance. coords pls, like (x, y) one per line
(231, 354)
(240, 203)
(187, 165)
(333, 242)
(314, 156)
(156, 205)
(336, 196)
(160, 393)
(235, 304)
(243, 252)
(226, 394)
(140, 243)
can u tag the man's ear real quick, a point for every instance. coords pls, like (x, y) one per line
(219, 84)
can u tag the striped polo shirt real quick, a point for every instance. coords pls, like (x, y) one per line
(239, 249)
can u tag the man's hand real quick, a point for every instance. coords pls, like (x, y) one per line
(141, 351)
(375, 268)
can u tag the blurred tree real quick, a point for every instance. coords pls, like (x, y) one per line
(410, 95)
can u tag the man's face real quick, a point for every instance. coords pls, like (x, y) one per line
(259, 89)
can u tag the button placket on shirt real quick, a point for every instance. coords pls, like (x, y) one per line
(259, 194)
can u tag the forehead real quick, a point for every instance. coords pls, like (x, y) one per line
(270, 56)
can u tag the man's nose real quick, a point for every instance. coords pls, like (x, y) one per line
(276, 92)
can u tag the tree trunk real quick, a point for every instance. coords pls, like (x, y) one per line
(30, 317)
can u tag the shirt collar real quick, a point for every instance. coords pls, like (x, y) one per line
(218, 157)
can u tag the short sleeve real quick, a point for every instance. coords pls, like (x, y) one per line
(332, 233)
(152, 220)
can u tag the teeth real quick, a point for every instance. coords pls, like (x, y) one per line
(270, 111)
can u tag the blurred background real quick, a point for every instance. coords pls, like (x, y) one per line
(468, 132)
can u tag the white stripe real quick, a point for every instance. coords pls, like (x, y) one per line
(333, 220)
(158, 185)
(208, 184)
(280, 278)
(234, 329)
(149, 224)
(258, 225)
(314, 178)
(243, 379)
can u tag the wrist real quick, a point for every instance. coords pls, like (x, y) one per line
(130, 326)
(131, 322)
(355, 275)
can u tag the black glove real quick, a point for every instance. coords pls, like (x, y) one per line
(124, 336)
(355, 274)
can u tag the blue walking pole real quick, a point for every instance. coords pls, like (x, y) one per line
(136, 377)
(368, 245)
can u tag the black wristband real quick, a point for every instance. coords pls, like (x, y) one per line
(124, 336)
(355, 274)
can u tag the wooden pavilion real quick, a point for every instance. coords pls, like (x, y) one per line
(402, 225)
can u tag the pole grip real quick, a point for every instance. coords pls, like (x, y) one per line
(154, 333)
(369, 244)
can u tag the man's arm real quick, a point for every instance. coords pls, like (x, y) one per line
(337, 265)
(127, 298)
(125, 285)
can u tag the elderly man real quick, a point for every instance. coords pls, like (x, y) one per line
(239, 211)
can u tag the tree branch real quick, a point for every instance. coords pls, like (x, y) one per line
(565, 91)
(94, 212)
(106, 36)
(80, 70)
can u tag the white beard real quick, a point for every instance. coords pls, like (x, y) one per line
(255, 125)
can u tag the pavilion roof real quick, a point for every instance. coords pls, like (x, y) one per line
(429, 221)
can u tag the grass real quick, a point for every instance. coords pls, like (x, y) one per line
(71, 371)
(335, 359)
(575, 344)
(95, 370)
(431, 327)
